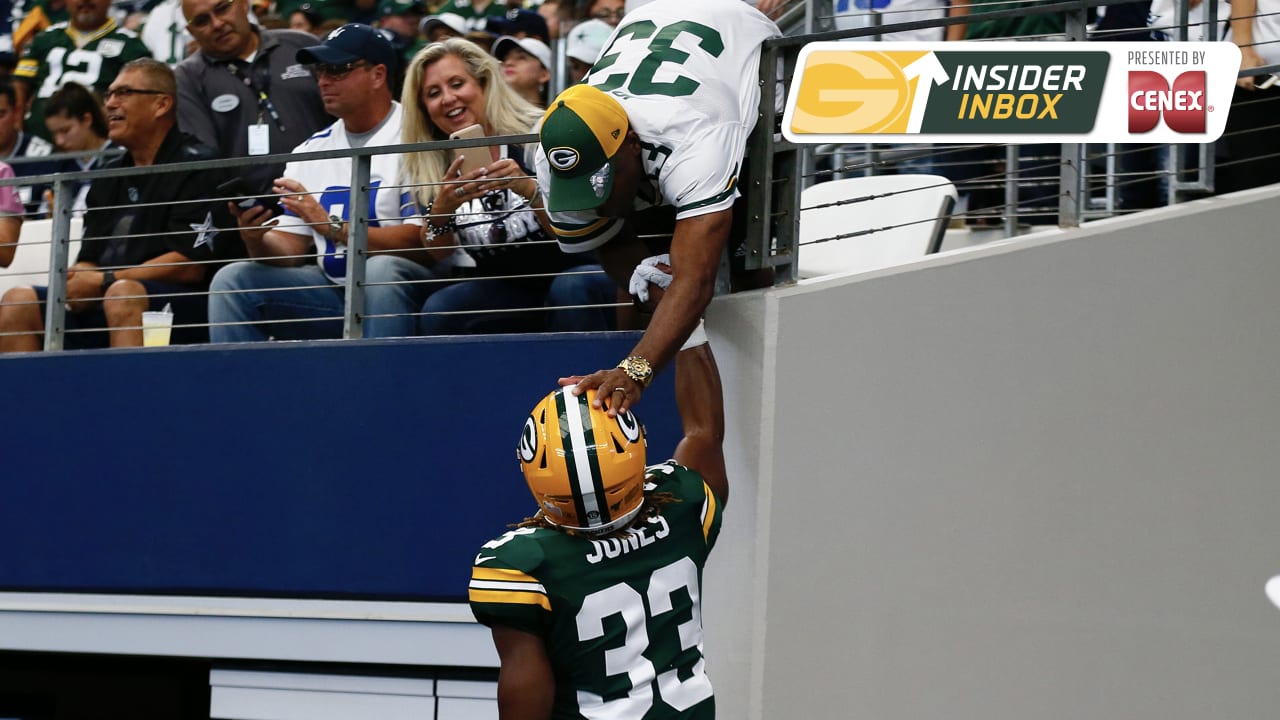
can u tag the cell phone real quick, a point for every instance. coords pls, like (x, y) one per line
(475, 157)
(235, 190)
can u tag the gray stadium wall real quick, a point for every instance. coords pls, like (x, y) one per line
(1035, 479)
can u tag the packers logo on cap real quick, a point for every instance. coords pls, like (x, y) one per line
(582, 131)
(563, 158)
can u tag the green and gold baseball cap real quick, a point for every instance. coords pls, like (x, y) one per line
(581, 132)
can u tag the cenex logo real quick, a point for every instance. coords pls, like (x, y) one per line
(1182, 104)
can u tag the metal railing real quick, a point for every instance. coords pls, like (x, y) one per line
(357, 249)
(1073, 182)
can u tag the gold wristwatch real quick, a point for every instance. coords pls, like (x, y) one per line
(638, 369)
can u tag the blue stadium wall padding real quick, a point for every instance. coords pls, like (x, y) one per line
(370, 469)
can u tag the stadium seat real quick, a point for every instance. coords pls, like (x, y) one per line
(903, 217)
(31, 261)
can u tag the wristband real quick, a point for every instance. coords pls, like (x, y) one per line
(697, 337)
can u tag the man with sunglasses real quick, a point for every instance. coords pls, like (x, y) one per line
(243, 91)
(295, 287)
(90, 49)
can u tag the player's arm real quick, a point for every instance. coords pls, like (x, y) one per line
(526, 684)
(701, 403)
(696, 247)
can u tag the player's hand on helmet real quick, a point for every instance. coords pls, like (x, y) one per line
(615, 390)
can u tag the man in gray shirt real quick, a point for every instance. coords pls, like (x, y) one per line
(243, 91)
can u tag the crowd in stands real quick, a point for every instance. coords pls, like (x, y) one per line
(452, 249)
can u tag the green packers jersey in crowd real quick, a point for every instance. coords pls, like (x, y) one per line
(621, 618)
(62, 54)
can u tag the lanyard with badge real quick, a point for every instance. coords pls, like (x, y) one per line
(259, 133)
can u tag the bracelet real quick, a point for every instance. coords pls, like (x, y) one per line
(449, 225)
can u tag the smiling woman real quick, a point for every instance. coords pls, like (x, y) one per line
(489, 218)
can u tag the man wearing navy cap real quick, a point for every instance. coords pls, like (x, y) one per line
(351, 68)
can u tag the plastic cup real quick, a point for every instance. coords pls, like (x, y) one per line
(156, 326)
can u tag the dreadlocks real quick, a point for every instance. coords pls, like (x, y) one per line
(650, 508)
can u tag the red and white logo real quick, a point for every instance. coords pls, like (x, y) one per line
(1182, 104)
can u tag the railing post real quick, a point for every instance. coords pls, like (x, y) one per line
(55, 307)
(1011, 170)
(357, 246)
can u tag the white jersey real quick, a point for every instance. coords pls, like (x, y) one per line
(687, 74)
(1266, 31)
(330, 182)
(1163, 20)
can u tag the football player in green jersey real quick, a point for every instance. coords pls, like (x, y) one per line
(90, 49)
(595, 601)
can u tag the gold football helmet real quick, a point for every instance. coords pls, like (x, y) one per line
(584, 468)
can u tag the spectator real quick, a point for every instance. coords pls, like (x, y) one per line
(560, 608)
(1250, 145)
(474, 12)
(519, 24)
(305, 19)
(452, 85)
(526, 66)
(10, 217)
(141, 232)
(242, 91)
(100, 49)
(444, 25)
(24, 152)
(327, 10)
(583, 47)
(1163, 20)
(33, 18)
(610, 11)
(595, 176)
(165, 33)
(78, 125)
(351, 66)
(402, 17)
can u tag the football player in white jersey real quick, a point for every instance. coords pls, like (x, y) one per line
(662, 119)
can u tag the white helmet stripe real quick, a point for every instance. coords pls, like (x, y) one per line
(581, 461)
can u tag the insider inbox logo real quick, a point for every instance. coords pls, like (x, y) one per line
(1182, 103)
(1000, 92)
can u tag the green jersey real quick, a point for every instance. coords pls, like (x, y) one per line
(63, 54)
(621, 617)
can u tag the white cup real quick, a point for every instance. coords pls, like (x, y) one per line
(156, 325)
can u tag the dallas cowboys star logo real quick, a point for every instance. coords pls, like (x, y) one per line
(206, 232)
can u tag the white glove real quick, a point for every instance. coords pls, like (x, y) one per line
(647, 272)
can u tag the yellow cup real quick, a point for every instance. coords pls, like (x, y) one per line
(156, 326)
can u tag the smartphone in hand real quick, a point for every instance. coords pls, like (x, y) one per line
(475, 157)
(235, 190)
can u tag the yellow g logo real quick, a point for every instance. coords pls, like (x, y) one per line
(855, 91)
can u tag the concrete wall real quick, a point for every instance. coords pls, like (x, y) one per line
(1033, 479)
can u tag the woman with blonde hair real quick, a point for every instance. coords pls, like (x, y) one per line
(492, 214)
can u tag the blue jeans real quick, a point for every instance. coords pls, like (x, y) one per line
(480, 304)
(310, 305)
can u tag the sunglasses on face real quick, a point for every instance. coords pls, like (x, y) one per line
(607, 14)
(335, 72)
(126, 91)
(205, 19)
